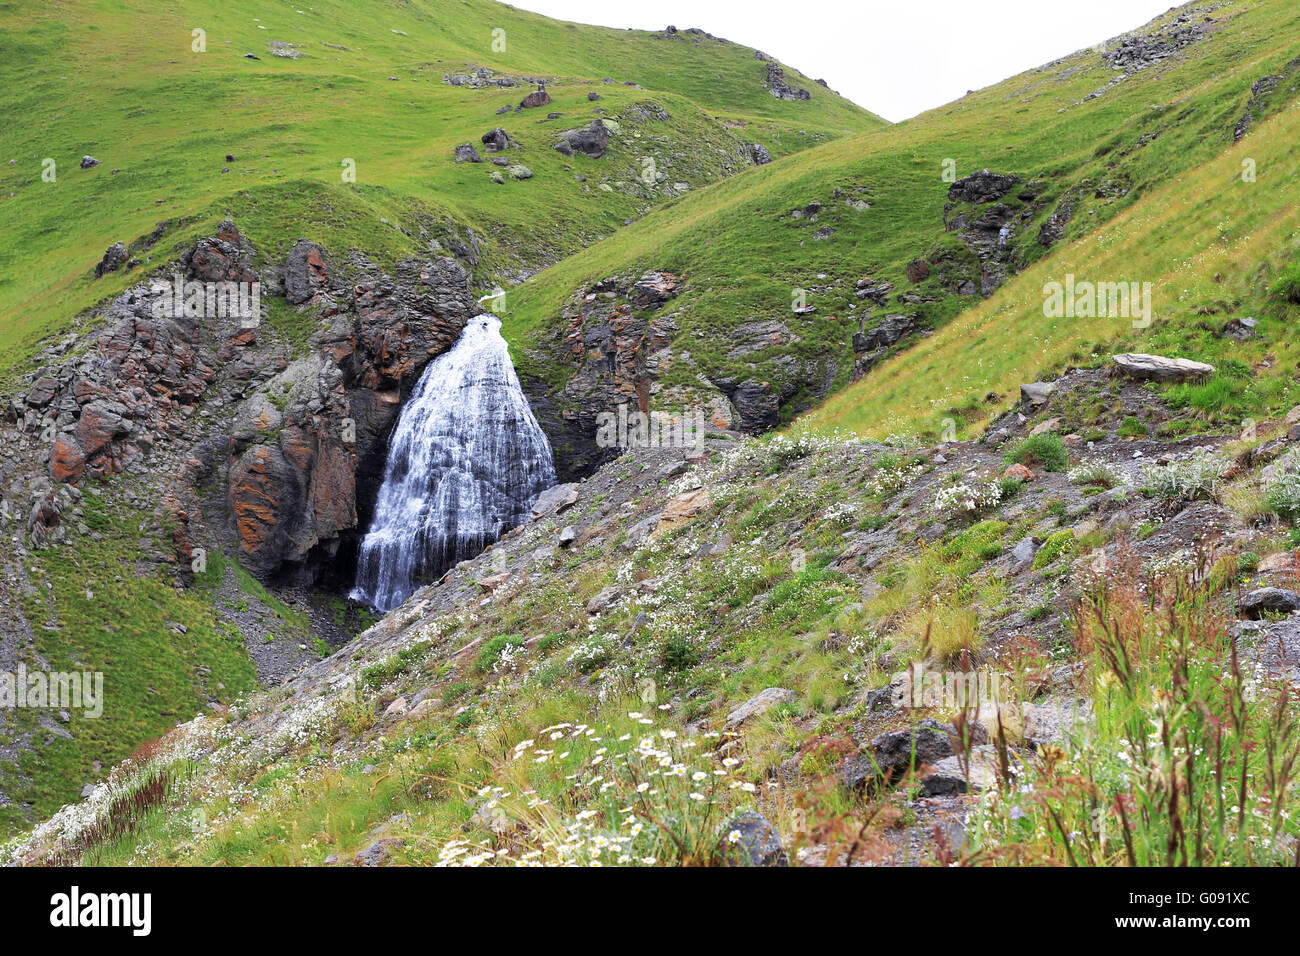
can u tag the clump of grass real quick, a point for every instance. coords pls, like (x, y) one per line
(1047, 450)
(1283, 497)
(1248, 500)
(1096, 473)
(1008, 485)
(1188, 761)
(1287, 284)
(498, 652)
(945, 630)
(377, 675)
(1196, 477)
(1062, 542)
(1131, 427)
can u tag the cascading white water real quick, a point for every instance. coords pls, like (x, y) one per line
(465, 464)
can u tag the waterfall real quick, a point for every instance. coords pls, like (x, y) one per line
(465, 464)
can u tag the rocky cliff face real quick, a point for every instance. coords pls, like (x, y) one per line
(295, 441)
(622, 347)
(303, 482)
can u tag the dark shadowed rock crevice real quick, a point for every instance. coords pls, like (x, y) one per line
(621, 350)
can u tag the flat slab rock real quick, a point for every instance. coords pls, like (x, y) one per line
(760, 703)
(1158, 368)
(682, 508)
(556, 499)
(1279, 600)
(951, 775)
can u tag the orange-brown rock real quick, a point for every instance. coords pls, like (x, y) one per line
(255, 499)
(67, 463)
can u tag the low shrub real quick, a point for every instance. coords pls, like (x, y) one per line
(1047, 450)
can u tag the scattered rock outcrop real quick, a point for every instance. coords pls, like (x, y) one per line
(1140, 51)
(982, 211)
(478, 78)
(1262, 99)
(114, 258)
(777, 85)
(871, 346)
(591, 140)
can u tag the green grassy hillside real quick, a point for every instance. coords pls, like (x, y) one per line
(364, 82)
(1068, 130)
(1144, 161)
(1214, 247)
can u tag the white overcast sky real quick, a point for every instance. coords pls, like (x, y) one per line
(897, 58)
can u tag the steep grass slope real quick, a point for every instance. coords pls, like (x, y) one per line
(1087, 137)
(361, 82)
(1213, 246)
(726, 634)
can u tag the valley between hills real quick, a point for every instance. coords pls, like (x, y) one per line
(311, 331)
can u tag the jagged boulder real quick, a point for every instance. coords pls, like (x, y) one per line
(591, 140)
(895, 751)
(466, 153)
(1037, 393)
(114, 258)
(556, 499)
(877, 290)
(891, 329)
(496, 140)
(538, 97)
(871, 346)
(1239, 330)
(305, 273)
(220, 258)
